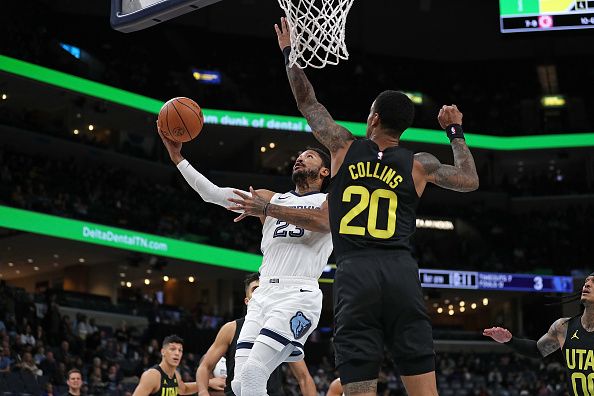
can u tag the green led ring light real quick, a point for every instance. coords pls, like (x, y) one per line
(279, 122)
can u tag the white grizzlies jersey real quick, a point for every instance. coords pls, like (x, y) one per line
(293, 251)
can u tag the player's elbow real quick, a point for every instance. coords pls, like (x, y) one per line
(474, 184)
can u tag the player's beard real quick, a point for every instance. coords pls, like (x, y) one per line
(302, 177)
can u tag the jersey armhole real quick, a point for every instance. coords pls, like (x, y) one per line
(346, 155)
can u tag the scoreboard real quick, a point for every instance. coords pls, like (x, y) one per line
(542, 15)
(475, 280)
(451, 279)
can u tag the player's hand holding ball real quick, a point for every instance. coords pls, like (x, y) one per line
(180, 120)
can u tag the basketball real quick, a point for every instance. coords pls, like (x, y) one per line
(180, 119)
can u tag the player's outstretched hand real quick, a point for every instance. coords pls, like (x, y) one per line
(173, 148)
(499, 334)
(449, 115)
(253, 205)
(283, 33)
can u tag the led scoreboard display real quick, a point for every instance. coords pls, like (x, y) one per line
(540, 15)
(474, 280)
(447, 279)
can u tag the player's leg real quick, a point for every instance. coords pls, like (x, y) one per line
(420, 385)
(358, 339)
(262, 361)
(252, 325)
(357, 373)
(408, 326)
(289, 320)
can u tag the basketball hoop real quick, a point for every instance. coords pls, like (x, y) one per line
(318, 31)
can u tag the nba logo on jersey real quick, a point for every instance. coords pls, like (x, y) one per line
(299, 324)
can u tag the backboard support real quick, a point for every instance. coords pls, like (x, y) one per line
(133, 15)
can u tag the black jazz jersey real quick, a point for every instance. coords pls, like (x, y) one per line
(578, 353)
(373, 200)
(169, 386)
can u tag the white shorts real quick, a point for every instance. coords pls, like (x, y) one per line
(282, 311)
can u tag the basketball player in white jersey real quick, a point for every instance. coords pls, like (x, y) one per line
(286, 308)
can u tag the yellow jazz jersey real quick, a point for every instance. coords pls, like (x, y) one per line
(169, 386)
(578, 355)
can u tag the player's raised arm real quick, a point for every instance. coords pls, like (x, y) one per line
(325, 129)
(207, 190)
(462, 175)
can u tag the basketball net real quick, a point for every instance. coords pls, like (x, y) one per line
(318, 31)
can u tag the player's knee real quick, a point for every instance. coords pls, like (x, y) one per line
(254, 378)
(236, 386)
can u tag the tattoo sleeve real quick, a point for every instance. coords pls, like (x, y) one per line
(323, 126)
(311, 219)
(355, 388)
(549, 342)
(460, 177)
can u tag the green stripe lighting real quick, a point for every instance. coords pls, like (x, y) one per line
(54, 226)
(279, 122)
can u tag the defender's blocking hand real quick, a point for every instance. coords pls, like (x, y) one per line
(283, 34)
(449, 115)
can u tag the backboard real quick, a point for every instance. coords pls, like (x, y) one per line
(132, 15)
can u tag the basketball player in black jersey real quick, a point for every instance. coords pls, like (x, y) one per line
(225, 344)
(374, 191)
(574, 336)
(163, 379)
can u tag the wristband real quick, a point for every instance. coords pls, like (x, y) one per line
(454, 131)
(287, 53)
(266, 209)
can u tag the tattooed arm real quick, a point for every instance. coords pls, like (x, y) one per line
(335, 137)
(554, 338)
(460, 177)
(547, 344)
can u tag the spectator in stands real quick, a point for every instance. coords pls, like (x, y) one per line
(92, 326)
(49, 365)
(52, 323)
(28, 364)
(48, 390)
(40, 335)
(96, 378)
(39, 355)
(27, 338)
(5, 360)
(74, 382)
(82, 328)
(63, 355)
